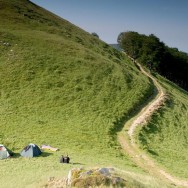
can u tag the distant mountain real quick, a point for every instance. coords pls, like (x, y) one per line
(116, 46)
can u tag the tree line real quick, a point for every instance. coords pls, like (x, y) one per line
(155, 55)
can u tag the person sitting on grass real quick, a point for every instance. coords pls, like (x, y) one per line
(65, 159)
(62, 159)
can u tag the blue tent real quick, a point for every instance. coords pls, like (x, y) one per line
(31, 150)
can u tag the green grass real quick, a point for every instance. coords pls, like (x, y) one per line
(49, 96)
(165, 137)
(61, 86)
(47, 87)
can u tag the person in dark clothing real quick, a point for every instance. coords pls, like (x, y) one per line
(62, 159)
(65, 159)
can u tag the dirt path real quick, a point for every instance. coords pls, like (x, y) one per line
(127, 141)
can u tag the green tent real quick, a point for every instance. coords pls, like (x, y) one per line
(31, 150)
(4, 152)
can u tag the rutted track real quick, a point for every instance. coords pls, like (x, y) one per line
(127, 141)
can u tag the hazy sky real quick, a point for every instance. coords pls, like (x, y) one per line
(167, 19)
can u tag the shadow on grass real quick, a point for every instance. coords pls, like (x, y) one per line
(15, 155)
(152, 152)
(43, 154)
(77, 163)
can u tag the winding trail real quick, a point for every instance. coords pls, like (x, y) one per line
(127, 141)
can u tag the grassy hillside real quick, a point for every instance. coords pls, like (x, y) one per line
(165, 137)
(61, 86)
(49, 80)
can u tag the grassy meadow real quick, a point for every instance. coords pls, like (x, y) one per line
(165, 137)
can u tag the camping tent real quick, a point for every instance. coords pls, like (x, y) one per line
(4, 152)
(31, 150)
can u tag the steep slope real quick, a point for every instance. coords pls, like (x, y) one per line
(61, 86)
(165, 137)
(130, 145)
(49, 77)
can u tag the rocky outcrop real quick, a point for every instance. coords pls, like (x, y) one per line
(98, 177)
(81, 178)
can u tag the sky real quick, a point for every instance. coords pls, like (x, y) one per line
(166, 19)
